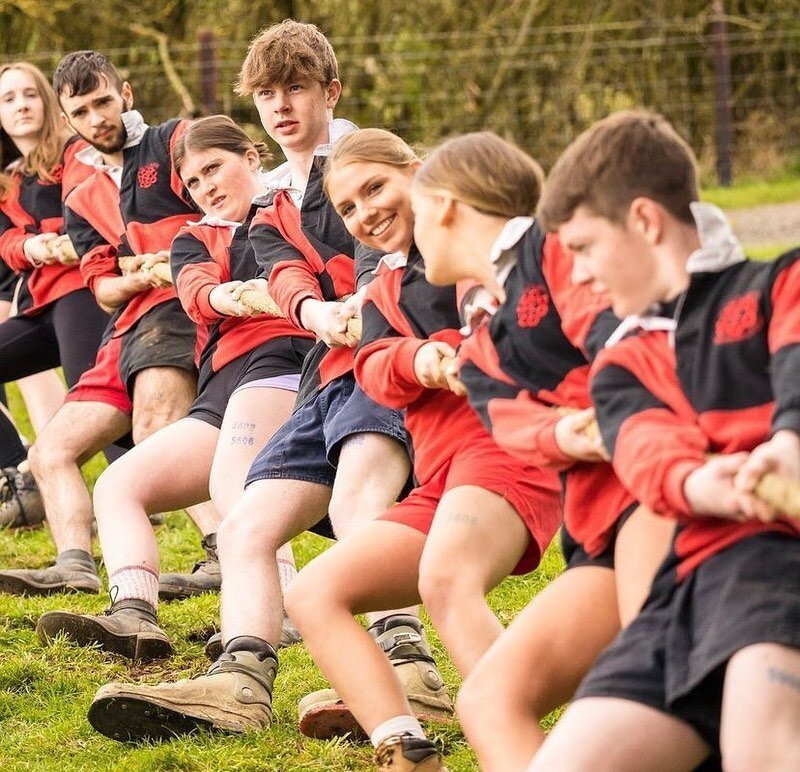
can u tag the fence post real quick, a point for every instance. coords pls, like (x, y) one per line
(722, 92)
(207, 55)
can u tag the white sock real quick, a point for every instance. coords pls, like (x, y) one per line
(396, 725)
(138, 582)
(287, 571)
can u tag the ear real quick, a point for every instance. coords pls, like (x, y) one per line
(448, 209)
(127, 95)
(646, 217)
(253, 159)
(332, 93)
(65, 120)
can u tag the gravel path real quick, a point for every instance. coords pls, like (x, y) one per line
(769, 224)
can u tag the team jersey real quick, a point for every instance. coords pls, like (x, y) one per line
(308, 253)
(401, 313)
(209, 253)
(721, 376)
(531, 355)
(32, 206)
(152, 205)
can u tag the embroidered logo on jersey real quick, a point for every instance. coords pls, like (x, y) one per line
(147, 175)
(739, 319)
(56, 175)
(533, 306)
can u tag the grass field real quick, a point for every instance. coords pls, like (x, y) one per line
(45, 692)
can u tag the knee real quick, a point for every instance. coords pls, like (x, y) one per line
(107, 490)
(147, 421)
(471, 705)
(242, 532)
(300, 601)
(437, 590)
(48, 453)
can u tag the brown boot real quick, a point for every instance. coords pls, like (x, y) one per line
(20, 501)
(403, 753)
(128, 628)
(74, 571)
(234, 696)
(290, 635)
(323, 714)
(204, 577)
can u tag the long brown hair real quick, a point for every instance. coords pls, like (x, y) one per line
(46, 156)
(215, 132)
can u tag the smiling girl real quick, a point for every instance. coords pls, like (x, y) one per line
(249, 373)
(478, 513)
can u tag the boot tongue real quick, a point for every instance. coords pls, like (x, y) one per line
(135, 607)
(256, 646)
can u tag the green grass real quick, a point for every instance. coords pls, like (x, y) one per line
(45, 692)
(755, 193)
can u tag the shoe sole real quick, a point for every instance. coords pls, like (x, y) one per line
(87, 632)
(128, 719)
(13, 585)
(181, 593)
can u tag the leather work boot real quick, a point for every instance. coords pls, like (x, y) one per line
(290, 635)
(204, 577)
(404, 753)
(323, 714)
(74, 571)
(129, 628)
(234, 696)
(20, 501)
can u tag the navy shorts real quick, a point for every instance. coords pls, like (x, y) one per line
(673, 656)
(307, 446)
(272, 359)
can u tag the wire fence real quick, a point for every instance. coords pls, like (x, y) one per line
(733, 89)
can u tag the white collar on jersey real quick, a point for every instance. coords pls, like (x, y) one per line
(719, 247)
(215, 222)
(392, 261)
(135, 127)
(646, 322)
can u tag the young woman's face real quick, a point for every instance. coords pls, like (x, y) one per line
(374, 200)
(21, 105)
(434, 241)
(221, 183)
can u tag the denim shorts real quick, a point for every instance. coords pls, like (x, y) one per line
(307, 446)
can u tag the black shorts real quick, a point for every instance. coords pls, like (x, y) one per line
(672, 657)
(575, 555)
(164, 337)
(271, 360)
(8, 282)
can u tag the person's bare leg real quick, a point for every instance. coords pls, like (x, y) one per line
(270, 513)
(43, 394)
(606, 734)
(167, 470)
(375, 567)
(481, 533)
(161, 396)
(74, 434)
(761, 710)
(372, 470)
(641, 546)
(535, 666)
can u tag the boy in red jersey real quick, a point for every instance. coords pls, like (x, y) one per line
(710, 666)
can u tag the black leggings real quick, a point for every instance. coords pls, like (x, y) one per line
(12, 451)
(67, 333)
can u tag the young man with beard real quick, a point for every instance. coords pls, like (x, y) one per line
(131, 204)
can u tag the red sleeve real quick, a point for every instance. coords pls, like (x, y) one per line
(292, 278)
(586, 317)
(784, 342)
(195, 274)
(647, 426)
(526, 428)
(16, 226)
(99, 263)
